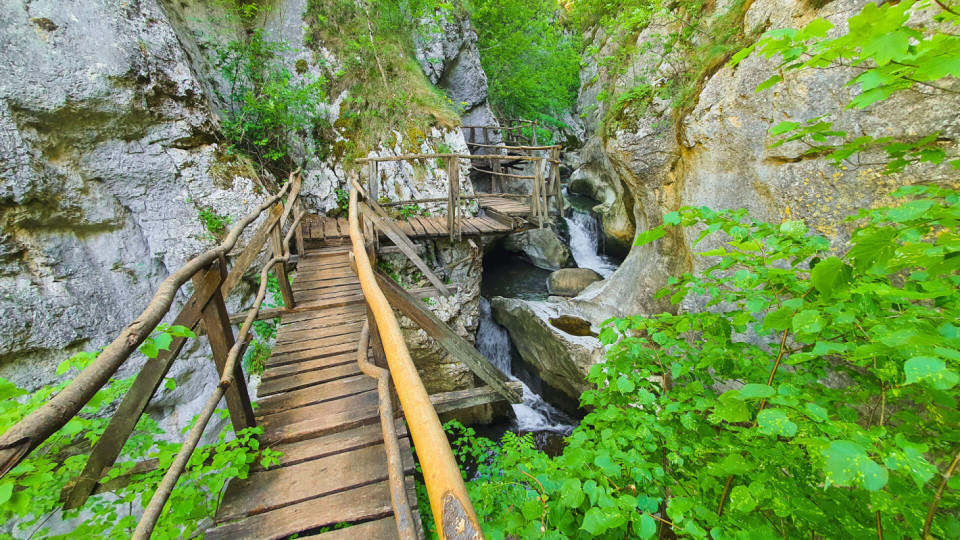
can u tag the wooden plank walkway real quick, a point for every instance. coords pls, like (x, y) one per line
(327, 231)
(322, 413)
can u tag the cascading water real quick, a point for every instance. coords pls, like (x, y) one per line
(585, 235)
(534, 414)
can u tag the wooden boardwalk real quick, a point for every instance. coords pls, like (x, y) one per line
(321, 412)
(503, 215)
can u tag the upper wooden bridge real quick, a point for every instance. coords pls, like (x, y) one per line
(340, 396)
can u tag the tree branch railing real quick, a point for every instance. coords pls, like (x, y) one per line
(545, 188)
(454, 513)
(206, 307)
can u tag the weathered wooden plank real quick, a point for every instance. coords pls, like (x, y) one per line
(419, 228)
(310, 354)
(252, 251)
(329, 291)
(311, 306)
(321, 295)
(333, 318)
(312, 395)
(326, 281)
(445, 336)
(333, 443)
(299, 316)
(121, 425)
(314, 334)
(317, 342)
(315, 420)
(360, 504)
(309, 378)
(268, 490)
(381, 529)
(309, 365)
(461, 399)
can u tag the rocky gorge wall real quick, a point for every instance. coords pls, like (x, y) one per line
(717, 153)
(111, 144)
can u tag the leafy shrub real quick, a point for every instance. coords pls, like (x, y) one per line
(213, 221)
(30, 493)
(267, 103)
(816, 394)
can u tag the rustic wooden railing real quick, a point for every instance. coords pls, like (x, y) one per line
(206, 307)
(545, 188)
(452, 509)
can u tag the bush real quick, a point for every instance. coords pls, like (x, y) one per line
(816, 394)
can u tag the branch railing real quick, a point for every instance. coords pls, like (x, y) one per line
(206, 307)
(453, 511)
(545, 188)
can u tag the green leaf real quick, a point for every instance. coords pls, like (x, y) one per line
(532, 509)
(772, 81)
(163, 341)
(732, 411)
(9, 390)
(149, 349)
(673, 218)
(784, 127)
(598, 520)
(625, 385)
(808, 321)
(754, 391)
(741, 499)
(647, 527)
(778, 320)
(793, 229)
(649, 236)
(909, 211)
(170, 384)
(873, 247)
(831, 276)
(775, 422)
(571, 494)
(930, 370)
(6, 490)
(875, 476)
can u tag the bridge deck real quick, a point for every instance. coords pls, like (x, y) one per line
(319, 410)
(326, 231)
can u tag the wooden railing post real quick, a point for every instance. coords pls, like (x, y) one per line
(555, 175)
(220, 334)
(372, 183)
(453, 197)
(280, 269)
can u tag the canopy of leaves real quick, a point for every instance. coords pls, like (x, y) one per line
(531, 60)
(818, 394)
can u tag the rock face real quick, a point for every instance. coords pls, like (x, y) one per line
(719, 154)
(108, 152)
(542, 247)
(447, 52)
(562, 360)
(571, 281)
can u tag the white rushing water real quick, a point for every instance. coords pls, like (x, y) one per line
(585, 243)
(534, 414)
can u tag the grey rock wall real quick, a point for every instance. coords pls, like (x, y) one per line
(108, 149)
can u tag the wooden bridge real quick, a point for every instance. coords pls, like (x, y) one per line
(340, 396)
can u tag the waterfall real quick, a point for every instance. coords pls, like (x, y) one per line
(585, 236)
(534, 414)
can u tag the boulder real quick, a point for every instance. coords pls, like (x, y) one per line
(571, 281)
(562, 360)
(542, 247)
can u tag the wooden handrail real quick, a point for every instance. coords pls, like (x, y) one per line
(449, 501)
(27, 434)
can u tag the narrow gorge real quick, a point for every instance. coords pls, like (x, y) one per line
(632, 269)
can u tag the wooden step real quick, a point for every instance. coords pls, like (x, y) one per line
(333, 443)
(364, 503)
(318, 393)
(308, 365)
(385, 528)
(320, 419)
(307, 379)
(264, 491)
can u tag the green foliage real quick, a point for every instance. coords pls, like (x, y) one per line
(388, 91)
(30, 493)
(267, 104)
(343, 203)
(214, 222)
(255, 359)
(532, 62)
(889, 54)
(815, 394)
